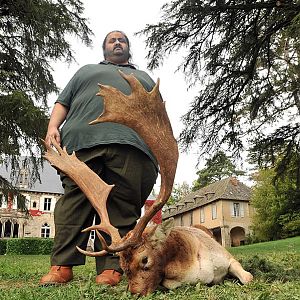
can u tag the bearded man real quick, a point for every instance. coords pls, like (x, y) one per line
(114, 151)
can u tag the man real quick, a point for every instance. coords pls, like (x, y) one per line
(114, 151)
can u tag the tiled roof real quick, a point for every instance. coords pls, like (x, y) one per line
(227, 189)
(49, 180)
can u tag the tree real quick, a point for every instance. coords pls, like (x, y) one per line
(277, 211)
(244, 57)
(179, 191)
(33, 33)
(216, 168)
(267, 203)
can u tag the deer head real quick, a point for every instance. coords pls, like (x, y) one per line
(145, 113)
(144, 264)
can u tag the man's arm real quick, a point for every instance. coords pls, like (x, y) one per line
(58, 116)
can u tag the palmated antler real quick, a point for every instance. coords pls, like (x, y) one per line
(95, 189)
(145, 113)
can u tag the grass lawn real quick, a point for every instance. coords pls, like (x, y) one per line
(275, 266)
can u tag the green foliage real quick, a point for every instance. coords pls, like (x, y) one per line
(273, 199)
(3, 245)
(22, 122)
(216, 168)
(244, 59)
(29, 246)
(33, 33)
(179, 191)
(290, 224)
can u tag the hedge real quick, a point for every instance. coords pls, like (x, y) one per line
(28, 246)
(3, 243)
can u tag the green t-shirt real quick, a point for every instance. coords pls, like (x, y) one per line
(84, 106)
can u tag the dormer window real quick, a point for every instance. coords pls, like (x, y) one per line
(23, 178)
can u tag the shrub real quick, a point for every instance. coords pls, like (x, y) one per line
(3, 246)
(29, 246)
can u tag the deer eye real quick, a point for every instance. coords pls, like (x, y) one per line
(144, 260)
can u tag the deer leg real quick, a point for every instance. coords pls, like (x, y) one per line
(238, 271)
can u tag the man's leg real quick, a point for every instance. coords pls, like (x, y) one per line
(134, 175)
(73, 212)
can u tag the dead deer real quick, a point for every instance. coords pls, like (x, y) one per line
(171, 256)
(153, 255)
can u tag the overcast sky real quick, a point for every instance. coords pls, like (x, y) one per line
(130, 17)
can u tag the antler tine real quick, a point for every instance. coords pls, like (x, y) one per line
(99, 253)
(95, 189)
(145, 113)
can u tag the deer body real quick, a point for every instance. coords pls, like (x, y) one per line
(172, 257)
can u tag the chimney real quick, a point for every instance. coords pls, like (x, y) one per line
(234, 181)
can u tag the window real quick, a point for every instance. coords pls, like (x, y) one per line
(15, 202)
(181, 220)
(47, 204)
(213, 211)
(34, 204)
(237, 210)
(45, 231)
(92, 235)
(23, 178)
(2, 201)
(202, 215)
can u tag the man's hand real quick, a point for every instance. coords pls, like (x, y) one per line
(54, 133)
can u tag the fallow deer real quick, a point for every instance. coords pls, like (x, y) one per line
(153, 255)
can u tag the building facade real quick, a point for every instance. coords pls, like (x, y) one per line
(223, 207)
(41, 197)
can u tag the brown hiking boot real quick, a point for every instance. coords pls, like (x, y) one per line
(57, 275)
(109, 277)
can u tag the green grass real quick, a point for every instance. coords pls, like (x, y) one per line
(275, 265)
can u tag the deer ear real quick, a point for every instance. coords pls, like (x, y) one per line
(161, 232)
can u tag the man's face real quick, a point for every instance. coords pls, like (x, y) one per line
(116, 48)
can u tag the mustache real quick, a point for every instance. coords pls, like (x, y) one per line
(118, 46)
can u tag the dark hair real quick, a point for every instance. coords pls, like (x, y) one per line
(127, 41)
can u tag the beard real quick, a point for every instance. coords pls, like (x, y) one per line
(117, 57)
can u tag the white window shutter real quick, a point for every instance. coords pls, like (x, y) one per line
(242, 210)
(232, 209)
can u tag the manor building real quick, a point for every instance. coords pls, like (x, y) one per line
(41, 197)
(223, 207)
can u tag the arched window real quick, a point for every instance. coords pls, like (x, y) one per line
(34, 204)
(45, 231)
(7, 228)
(15, 230)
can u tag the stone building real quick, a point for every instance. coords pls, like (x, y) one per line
(41, 197)
(223, 207)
